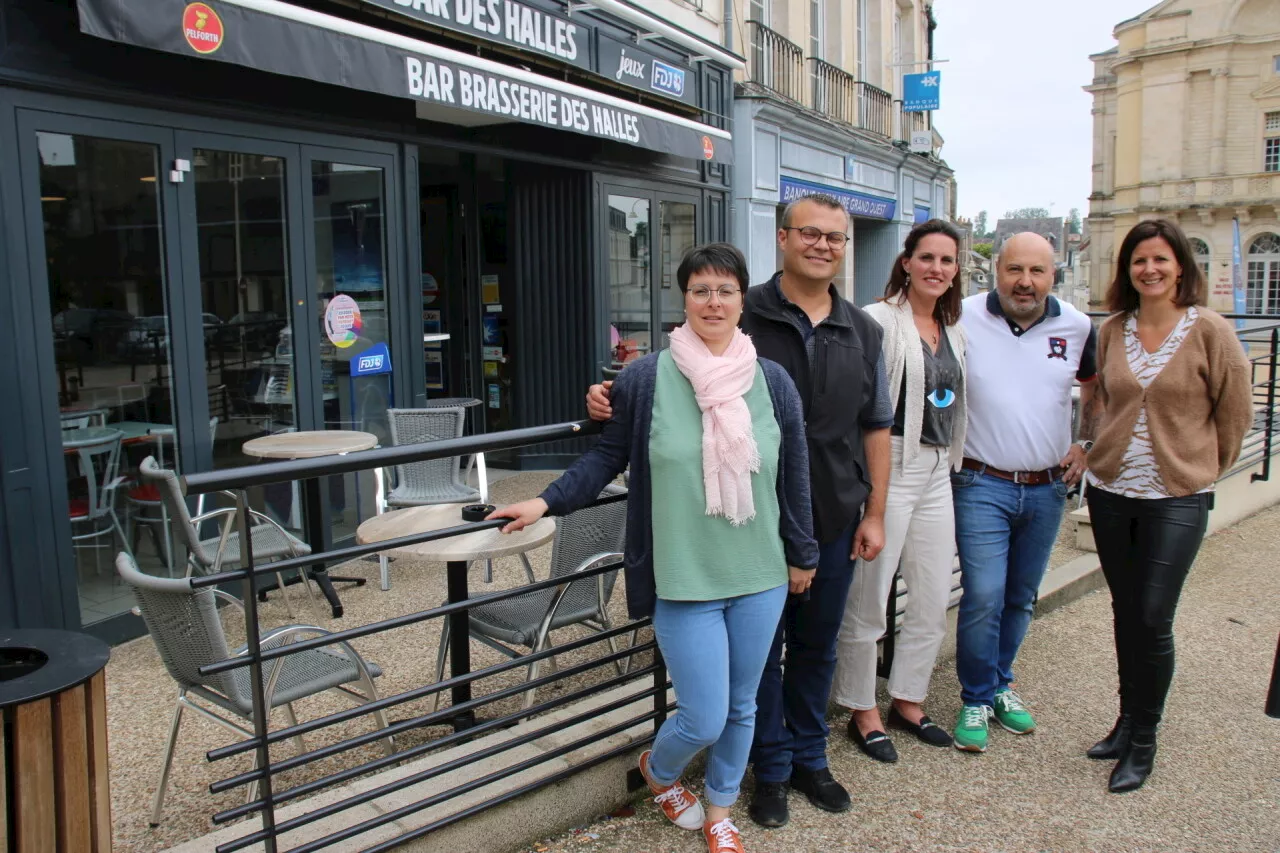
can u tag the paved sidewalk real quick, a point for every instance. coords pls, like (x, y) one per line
(1217, 781)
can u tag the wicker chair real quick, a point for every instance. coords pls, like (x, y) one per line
(584, 539)
(268, 539)
(185, 627)
(440, 481)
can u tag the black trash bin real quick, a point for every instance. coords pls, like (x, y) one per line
(53, 743)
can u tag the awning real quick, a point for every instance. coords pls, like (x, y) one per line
(282, 38)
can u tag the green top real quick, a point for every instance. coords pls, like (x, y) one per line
(697, 557)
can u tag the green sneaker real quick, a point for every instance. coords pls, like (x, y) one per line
(971, 728)
(1012, 714)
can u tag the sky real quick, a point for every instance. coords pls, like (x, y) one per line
(1016, 123)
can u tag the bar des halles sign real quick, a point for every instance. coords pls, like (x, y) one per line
(281, 38)
(524, 27)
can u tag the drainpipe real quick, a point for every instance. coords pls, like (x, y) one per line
(727, 24)
(727, 29)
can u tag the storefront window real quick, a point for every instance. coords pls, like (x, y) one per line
(351, 285)
(105, 263)
(679, 232)
(630, 332)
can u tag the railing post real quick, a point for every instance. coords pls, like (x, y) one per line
(256, 684)
(1269, 430)
(660, 688)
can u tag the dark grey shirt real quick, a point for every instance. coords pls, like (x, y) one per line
(941, 378)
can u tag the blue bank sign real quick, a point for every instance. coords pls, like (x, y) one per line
(920, 91)
(858, 204)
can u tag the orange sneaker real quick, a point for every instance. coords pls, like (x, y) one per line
(681, 807)
(722, 837)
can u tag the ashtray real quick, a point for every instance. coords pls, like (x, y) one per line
(477, 512)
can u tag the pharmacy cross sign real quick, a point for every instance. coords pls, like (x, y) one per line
(920, 91)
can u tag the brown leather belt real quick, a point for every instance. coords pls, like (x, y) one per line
(1022, 478)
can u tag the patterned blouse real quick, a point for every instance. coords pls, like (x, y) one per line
(1139, 475)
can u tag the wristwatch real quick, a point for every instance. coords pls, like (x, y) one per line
(1085, 444)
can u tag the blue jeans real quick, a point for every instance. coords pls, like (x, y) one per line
(791, 725)
(715, 652)
(1004, 533)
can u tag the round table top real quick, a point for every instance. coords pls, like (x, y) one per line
(449, 402)
(481, 545)
(306, 445)
(35, 663)
(88, 435)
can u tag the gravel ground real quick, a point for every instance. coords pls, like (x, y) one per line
(1217, 780)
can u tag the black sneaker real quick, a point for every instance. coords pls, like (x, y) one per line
(769, 804)
(821, 789)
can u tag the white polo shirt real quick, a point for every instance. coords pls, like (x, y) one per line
(1018, 382)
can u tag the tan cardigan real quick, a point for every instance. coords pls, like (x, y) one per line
(1198, 409)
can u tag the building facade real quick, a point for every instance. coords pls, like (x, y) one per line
(230, 218)
(819, 109)
(1186, 111)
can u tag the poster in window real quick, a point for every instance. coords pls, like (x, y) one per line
(435, 370)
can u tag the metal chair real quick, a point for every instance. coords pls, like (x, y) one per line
(98, 459)
(146, 508)
(268, 539)
(440, 481)
(185, 627)
(584, 539)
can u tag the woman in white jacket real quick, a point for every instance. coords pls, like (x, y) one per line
(924, 350)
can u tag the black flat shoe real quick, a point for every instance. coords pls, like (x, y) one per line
(927, 731)
(1133, 768)
(768, 806)
(822, 790)
(1113, 745)
(876, 744)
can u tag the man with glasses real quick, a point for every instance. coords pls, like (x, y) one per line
(832, 350)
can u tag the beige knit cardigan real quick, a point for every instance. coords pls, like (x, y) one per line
(1198, 409)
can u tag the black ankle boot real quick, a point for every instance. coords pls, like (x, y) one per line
(1133, 768)
(1112, 746)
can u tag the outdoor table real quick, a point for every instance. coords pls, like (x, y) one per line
(308, 445)
(76, 438)
(449, 402)
(456, 552)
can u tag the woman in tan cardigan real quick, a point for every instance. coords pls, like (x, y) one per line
(1174, 382)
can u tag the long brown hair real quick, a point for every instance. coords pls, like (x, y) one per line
(947, 309)
(1123, 296)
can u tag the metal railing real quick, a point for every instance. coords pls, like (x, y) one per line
(909, 122)
(875, 109)
(776, 63)
(270, 795)
(834, 91)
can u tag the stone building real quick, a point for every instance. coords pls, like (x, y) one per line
(1186, 111)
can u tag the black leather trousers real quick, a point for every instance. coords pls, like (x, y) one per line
(1146, 548)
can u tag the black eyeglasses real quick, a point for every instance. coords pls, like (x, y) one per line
(810, 235)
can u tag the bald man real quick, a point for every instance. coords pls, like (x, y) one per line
(1026, 351)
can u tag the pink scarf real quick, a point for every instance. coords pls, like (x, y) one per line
(729, 451)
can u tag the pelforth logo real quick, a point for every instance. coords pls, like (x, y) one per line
(202, 28)
(708, 148)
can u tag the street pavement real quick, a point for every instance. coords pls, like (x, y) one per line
(1217, 781)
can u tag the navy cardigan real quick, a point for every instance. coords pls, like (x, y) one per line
(625, 442)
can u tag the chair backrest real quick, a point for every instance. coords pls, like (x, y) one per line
(416, 426)
(584, 534)
(175, 505)
(99, 463)
(183, 623)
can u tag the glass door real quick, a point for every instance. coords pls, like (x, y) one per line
(104, 293)
(646, 236)
(241, 197)
(351, 286)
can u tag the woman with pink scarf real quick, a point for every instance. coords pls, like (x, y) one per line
(719, 527)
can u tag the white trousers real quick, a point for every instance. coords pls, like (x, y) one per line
(919, 529)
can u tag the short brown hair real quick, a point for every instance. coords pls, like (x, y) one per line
(820, 199)
(947, 309)
(1123, 296)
